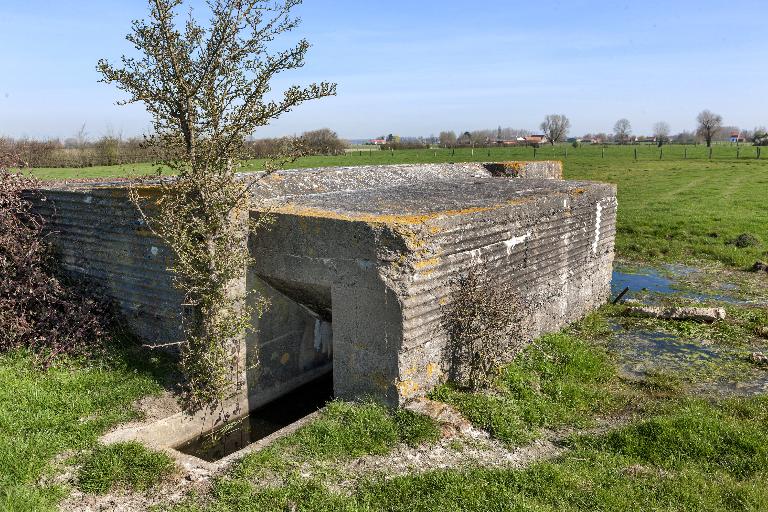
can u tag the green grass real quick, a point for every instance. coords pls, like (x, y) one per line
(126, 465)
(343, 431)
(673, 209)
(692, 455)
(561, 380)
(731, 437)
(64, 409)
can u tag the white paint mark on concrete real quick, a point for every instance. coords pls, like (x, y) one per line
(598, 220)
(88, 199)
(515, 241)
(154, 250)
(476, 256)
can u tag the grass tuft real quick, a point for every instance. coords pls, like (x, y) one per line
(416, 429)
(129, 465)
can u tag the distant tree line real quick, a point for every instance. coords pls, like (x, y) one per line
(555, 129)
(111, 149)
(480, 137)
(316, 142)
(107, 150)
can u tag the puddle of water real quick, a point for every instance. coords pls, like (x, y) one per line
(644, 352)
(654, 281)
(261, 422)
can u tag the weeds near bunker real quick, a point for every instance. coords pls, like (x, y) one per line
(205, 86)
(479, 320)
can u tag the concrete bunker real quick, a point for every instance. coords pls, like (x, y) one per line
(357, 262)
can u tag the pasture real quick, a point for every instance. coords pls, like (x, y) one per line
(675, 206)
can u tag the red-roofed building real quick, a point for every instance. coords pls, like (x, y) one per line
(737, 137)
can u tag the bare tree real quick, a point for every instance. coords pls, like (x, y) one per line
(661, 131)
(622, 130)
(447, 138)
(481, 136)
(81, 137)
(710, 125)
(323, 142)
(555, 127)
(208, 87)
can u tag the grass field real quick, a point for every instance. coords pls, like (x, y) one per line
(674, 209)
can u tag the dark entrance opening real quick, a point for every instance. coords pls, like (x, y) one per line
(262, 422)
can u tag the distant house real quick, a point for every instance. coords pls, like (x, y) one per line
(536, 140)
(737, 137)
(507, 142)
(377, 142)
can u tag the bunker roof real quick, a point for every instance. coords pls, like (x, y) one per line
(422, 201)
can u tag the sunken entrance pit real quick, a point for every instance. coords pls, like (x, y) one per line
(357, 263)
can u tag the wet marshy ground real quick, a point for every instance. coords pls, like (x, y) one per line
(682, 281)
(711, 359)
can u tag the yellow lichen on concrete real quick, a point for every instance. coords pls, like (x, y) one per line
(388, 220)
(432, 262)
(432, 368)
(407, 388)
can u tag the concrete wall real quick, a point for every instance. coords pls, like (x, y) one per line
(358, 262)
(100, 239)
(551, 242)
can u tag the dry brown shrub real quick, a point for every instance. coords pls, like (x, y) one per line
(480, 319)
(39, 311)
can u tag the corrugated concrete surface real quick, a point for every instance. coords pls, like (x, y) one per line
(358, 262)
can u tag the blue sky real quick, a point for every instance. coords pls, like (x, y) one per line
(419, 67)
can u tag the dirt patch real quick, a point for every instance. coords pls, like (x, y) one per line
(475, 448)
(169, 493)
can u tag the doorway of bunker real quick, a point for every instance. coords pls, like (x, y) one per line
(261, 422)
